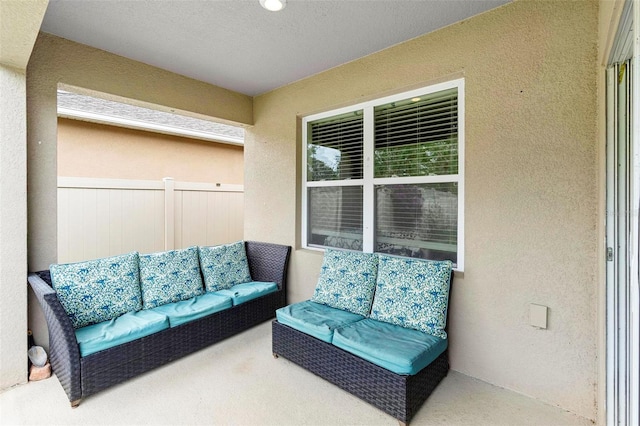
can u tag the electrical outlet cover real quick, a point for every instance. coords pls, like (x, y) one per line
(538, 315)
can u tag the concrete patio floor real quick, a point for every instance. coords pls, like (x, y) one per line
(238, 382)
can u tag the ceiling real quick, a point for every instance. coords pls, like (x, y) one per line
(238, 45)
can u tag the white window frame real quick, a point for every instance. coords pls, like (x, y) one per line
(368, 182)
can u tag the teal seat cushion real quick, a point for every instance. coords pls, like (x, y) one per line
(126, 328)
(248, 291)
(398, 349)
(224, 266)
(194, 308)
(315, 319)
(347, 280)
(170, 276)
(98, 290)
(413, 293)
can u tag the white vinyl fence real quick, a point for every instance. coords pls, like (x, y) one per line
(106, 217)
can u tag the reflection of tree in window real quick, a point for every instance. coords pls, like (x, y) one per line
(318, 168)
(423, 159)
(335, 148)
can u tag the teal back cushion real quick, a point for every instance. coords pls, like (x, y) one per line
(413, 293)
(169, 276)
(224, 266)
(347, 280)
(98, 290)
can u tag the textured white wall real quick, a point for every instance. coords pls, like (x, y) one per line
(13, 228)
(532, 218)
(19, 24)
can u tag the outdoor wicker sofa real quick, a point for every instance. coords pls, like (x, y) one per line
(82, 376)
(305, 333)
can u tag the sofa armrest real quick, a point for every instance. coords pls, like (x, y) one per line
(446, 327)
(268, 262)
(64, 353)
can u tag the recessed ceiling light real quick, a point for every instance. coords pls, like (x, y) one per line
(273, 5)
(415, 99)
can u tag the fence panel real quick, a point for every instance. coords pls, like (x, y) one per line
(208, 215)
(106, 217)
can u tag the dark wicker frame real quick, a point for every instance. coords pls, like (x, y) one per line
(83, 376)
(400, 396)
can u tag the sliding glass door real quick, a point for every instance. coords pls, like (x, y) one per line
(623, 198)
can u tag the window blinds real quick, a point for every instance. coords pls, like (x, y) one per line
(417, 136)
(335, 148)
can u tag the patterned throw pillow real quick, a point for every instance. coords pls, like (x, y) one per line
(169, 276)
(347, 280)
(413, 293)
(224, 266)
(98, 290)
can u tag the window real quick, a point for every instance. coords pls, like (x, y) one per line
(387, 175)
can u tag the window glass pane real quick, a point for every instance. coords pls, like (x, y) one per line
(335, 148)
(335, 217)
(417, 136)
(417, 220)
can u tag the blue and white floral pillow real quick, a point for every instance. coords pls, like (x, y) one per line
(413, 293)
(98, 290)
(170, 276)
(224, 266)
(347, 280)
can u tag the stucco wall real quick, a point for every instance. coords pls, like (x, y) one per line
(13, 227)
(19, 23)
(100, 151)
(531, 177)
